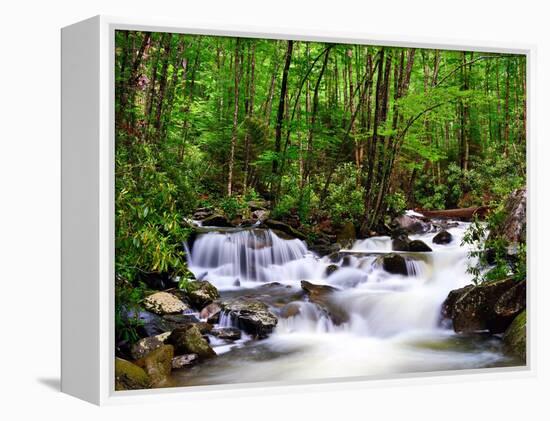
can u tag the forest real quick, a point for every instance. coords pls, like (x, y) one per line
(345, 132)
(320, 135)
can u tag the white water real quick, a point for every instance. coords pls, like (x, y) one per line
(393, 320)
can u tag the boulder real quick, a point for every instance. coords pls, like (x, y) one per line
(321, 295)
(185, 360)
(227, 333)
(260, 215)
(146, 345)
(400, 244)
(287, 229)
(395, 264)
(331, 269)
(164, 303)
(411, 224)
(290, 310)
(216, 221)
(211, 313)
(419, 245)
(346, 234)
(490, 306)
(315, 291)
(250, 315)
(515, 337)
(158, 365)
(129, 376)
(202, 213)
(189, 340)
(443, 237)
(201, 293)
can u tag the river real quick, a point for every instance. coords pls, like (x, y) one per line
(392, 322)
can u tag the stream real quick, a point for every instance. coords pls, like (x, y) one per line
(392, 322)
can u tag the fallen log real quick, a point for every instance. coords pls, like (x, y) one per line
(463, 214)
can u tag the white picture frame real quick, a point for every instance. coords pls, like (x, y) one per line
(88, 212)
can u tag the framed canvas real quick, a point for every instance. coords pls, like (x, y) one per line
(247, 210)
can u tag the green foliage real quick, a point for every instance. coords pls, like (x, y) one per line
(491, 257)
(233, 206)
(127, 299)
(149, 225)
(345, 200)
(397, 203)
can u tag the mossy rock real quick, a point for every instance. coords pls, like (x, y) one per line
(515, 337)
(189, 340)
(158, 365)
(129, 376)
(201, 293)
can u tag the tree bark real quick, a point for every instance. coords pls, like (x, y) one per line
(235, 120)
(281, 108)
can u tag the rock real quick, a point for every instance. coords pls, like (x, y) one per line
(400, 244)
(281, 226)
(185, 360)
(201, 293)
(250, 315)
(228, 333)
(260, 215)
(323, 249)
(152, 324)
(255, 205)
(346, 234)
(129, 376)
(513, 229)
(419, 245)
(331, 269)
(488, 306)
(237, 221)
(216, 221)
(204, 327)
(211, 313)
(146, 345)
(321, 295)
(202, 213)
(315, 291)
(515, 337)
(443, 237)
(177, 320)
(513, 301)
(290, 310)
(395, 264)
(189, 340)
(164, 303)
(411, 224)
(158, 365)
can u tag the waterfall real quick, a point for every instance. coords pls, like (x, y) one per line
(377, 303)
(374, 323)
(254, 255)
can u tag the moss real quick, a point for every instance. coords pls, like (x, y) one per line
(158, 364)
(189, 340)
(129, 376)
(515, 337)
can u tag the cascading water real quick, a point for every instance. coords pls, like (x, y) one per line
(238, 258)
(392, 322)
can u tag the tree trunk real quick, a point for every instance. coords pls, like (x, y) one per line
(249, 112)
(281, 108)
(235, 120)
